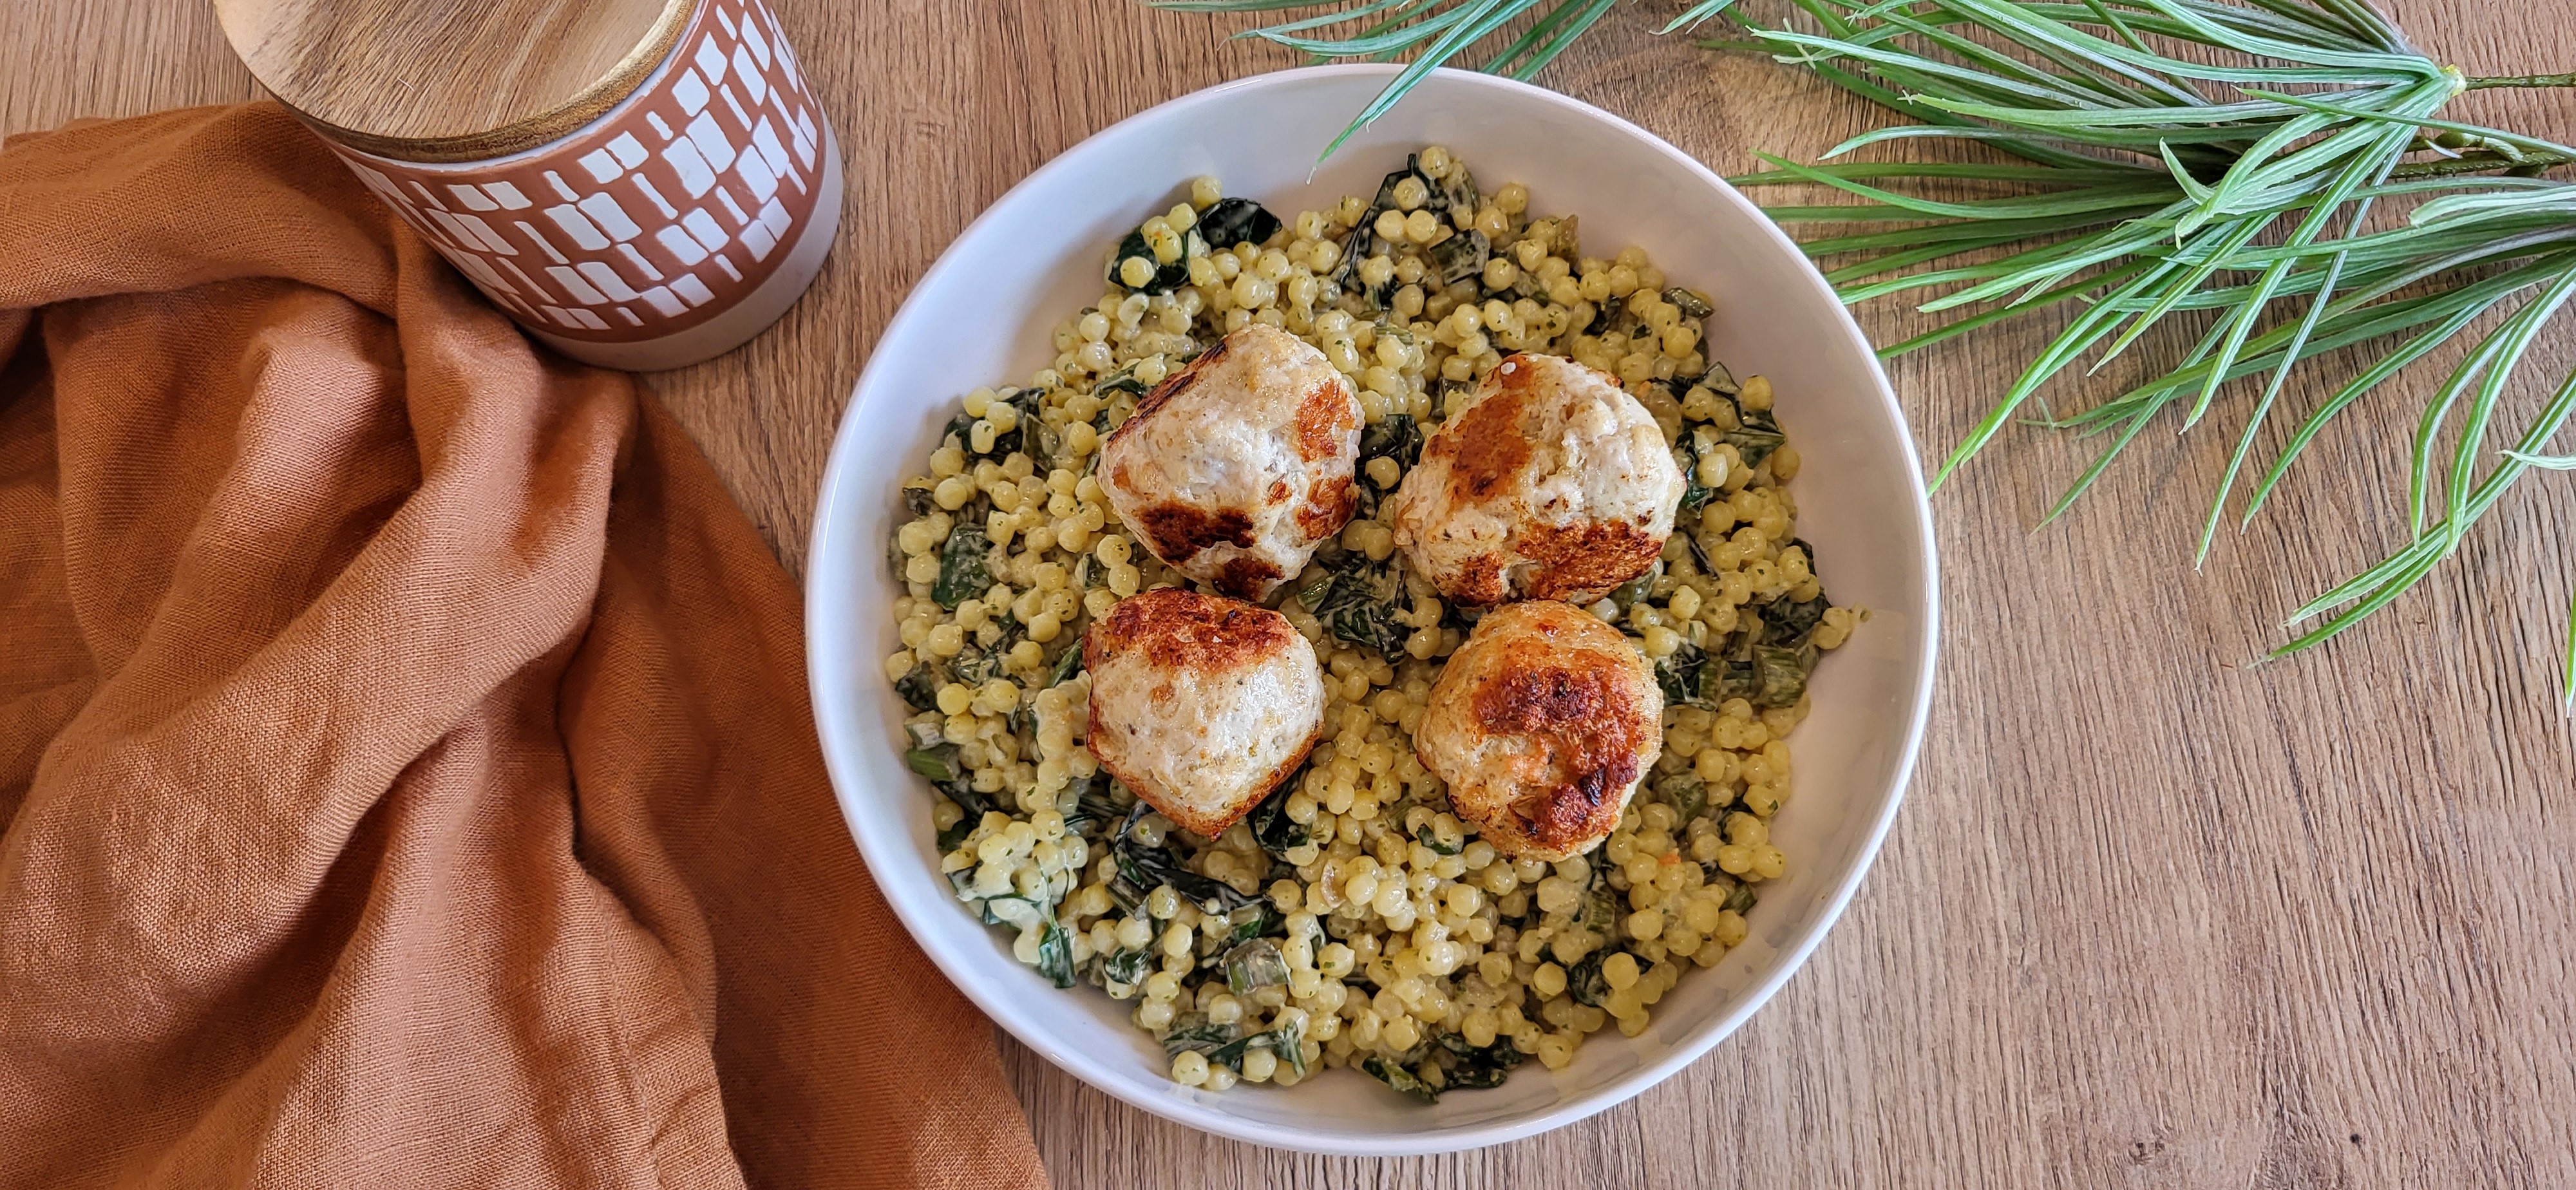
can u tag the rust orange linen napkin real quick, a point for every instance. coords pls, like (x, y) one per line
(405, 767)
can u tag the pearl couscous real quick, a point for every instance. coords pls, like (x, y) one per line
(1352, 919)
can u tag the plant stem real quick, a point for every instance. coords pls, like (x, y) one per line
(2524, 80)
(2483, 163)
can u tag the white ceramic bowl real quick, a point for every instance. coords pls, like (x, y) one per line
(983, 315)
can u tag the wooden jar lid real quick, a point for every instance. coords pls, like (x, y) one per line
(451, 80)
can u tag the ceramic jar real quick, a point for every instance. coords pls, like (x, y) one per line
(675, 222)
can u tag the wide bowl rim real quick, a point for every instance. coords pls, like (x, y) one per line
(881, 855)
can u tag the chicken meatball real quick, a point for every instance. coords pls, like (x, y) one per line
(1234, 467)
(1541, 725)
(1551, 483)
(1201, 704)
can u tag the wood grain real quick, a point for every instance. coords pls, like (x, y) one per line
(2154, 916)
(402, 76)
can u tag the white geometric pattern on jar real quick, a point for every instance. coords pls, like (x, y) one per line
(656, 217)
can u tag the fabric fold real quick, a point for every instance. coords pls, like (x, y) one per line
(406, 774)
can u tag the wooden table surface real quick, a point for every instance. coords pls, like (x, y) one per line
(2151, 916)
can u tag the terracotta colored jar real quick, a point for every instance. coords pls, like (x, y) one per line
(641, 183)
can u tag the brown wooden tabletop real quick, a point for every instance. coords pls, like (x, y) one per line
(2152, 916)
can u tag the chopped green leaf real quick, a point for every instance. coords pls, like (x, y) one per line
(965, 566)
(979, 663)
(1462, 257)
(1683, 675)
(957, 831)
(1781, 674)
(1584, 980)
(1363, 241)
(1614, 318)
(1067, 664)
(918, 689)
(1459, 190)
(1603, 907)
(1314, 936)
(1008, 909)
(940, 764)
(1142, 869)
(1277, 833)
(1055, 946)
(1121, 381)
(1193, 1031)
(1785, 622)
(1358, 601)
(1739, 901)
(1626, 594)
(1026, 402)
(1473, 1068)
(1688, 447)
(1255, 964)
(1253, 921)
(1055, 951)
(1287, 1041)
(1398, 1077)
(1756, 434)
(1685, 793)
(1091, 804)
(1127, 968)
(1395, 437)
(1163, 278)
(1768, 660)
(1235, 221)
